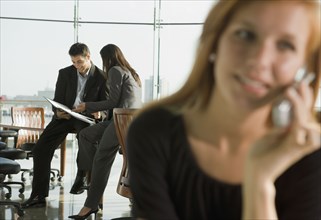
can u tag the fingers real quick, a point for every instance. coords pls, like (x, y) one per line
(97, 115)
(303, 140)
(76, 109)
(302, 102)
(307, 93)
(63, 115)
(313, 139)
(305, 132)
(66, 116)
(308, 141)
(80, 108)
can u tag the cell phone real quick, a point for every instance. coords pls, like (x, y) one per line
(282, 110)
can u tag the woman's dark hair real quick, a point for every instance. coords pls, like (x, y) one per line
(113, 56)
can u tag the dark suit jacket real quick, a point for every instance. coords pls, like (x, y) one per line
(66, 86)
(56, 131)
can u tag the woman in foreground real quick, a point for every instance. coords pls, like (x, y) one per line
(211, 150)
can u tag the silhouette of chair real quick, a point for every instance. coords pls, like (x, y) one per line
(122, 120)
(8, 166)
(12, 154)
(6, 133)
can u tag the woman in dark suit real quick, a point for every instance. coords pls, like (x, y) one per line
(124, 88)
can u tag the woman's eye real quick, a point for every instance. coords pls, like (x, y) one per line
(284, 45)
(245, 35)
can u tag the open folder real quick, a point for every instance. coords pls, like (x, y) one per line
(72, 113)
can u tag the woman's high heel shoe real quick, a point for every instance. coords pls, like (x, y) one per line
(84, 216)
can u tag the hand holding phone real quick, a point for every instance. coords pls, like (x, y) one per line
(282, 110)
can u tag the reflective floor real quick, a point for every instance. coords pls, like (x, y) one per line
(60, 203)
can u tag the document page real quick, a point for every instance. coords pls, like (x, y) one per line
(81, 117)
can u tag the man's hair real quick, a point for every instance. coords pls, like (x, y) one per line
(79, 49)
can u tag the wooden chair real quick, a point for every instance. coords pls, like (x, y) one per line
(122, 120)
(28, 117)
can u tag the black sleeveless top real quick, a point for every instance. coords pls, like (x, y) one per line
(167, 183)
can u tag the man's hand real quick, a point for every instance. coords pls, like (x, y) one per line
(97, 115)
(80, 108)
(62, 114)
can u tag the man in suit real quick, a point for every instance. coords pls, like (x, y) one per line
(80, 82)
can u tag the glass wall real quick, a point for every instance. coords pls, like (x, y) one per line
(32, 51)
(157, 37)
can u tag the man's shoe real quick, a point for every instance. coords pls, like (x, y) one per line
(79, 185)
(34, 202)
